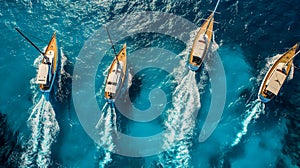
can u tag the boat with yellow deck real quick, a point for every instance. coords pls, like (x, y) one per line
(116, 74)
(202, 42)
(277, 75)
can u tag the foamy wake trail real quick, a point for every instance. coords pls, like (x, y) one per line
(28, 157)
(44, 129)
(180, 122)
(254, 109)
(49, 130)
(107, 127)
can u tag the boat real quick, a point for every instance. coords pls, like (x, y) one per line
(116, 76)
(202, 42)
(277, 74)
(48, 67)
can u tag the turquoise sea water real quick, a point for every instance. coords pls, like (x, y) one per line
(248, 36)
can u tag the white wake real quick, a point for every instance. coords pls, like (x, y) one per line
(44, 129)
(180, 122)
(254, 109)
(107, 127)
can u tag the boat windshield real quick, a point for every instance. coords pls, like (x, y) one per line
(112, 83)
(197, 60)
(46, 60)
(282, 71)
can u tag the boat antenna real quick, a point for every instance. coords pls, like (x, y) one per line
(216, 7)
(18, 30)
(112, 44)
(213, 13)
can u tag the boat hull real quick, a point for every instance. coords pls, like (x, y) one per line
(193, 67)
(110, 100)
(263, 99)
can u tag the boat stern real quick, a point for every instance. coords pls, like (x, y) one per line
(110, 100)
(263, 99)
(44, 90)
(193, 67)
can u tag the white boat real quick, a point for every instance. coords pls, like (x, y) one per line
(277, 75)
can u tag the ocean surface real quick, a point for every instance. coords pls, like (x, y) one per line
(166, 116)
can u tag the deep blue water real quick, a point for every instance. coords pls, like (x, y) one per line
(248, 35)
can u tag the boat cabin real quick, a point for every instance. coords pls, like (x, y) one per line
(277, 79)
(113, 80)
(197, 60)
(200, 49)
(42, 76)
